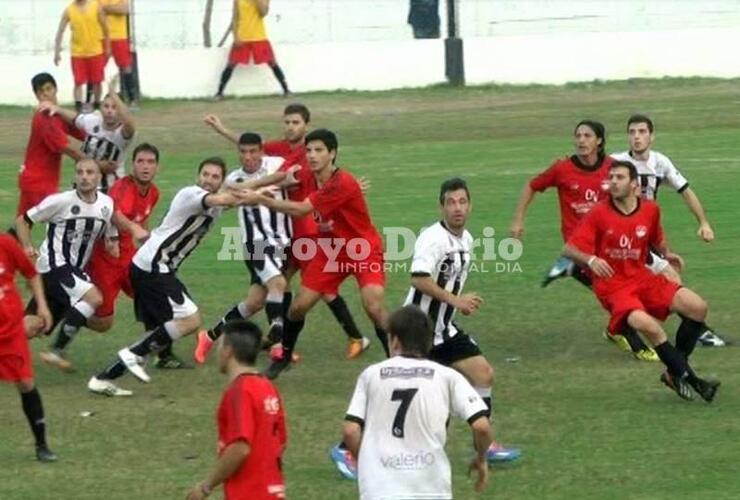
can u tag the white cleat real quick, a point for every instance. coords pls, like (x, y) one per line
(106, 388)
(133, 364)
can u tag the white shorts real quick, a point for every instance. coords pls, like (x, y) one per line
(658, 264)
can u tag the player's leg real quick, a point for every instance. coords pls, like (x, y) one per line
(80, 75)
(97, 75)
(373, 301)
(357, 343)
(280, 76)
(109, 281)
(693, 311)
(33, 409)
(122, 57)
(263, 54)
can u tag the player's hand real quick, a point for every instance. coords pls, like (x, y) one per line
(517, 229)
(365, 184)
(290, 179)
(31, 253)
(213, 121)
(113, 84)
(705, 232)
(45, 315)
(57, 58)
(479, 465)
(33, 325)
(601, 268)
(196, 493)
(47, 107)
(248, 197)
(675, 260)
(107, 166)
(139, 233)
(468, 303)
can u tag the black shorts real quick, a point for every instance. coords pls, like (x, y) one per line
(159, 297)
(63, 287)
(456, 348)
(264, 269)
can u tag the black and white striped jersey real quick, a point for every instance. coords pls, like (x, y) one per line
(656, 171)
(103, 144)
(259, 224)
(73, 226)
(445, 258)
(187, 220)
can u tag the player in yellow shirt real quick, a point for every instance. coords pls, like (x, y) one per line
(250, 42)
(116, 17)
(89, 45)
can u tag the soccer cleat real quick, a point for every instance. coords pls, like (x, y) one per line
(203, 346)
(217, 98)
(44, 454)
(497, 454)
(56, 359)
(132, 363)
(106, 388)
(276, 368)
(355, 347)
(172, 362)
(345, 462)
(647, 354)
(712, 339)
(560, 269)
(677, 384)
(618, 339)
(276, 354)
(706, 388)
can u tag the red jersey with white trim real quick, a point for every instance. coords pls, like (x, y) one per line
(579, 188)
(42, 164)
(12, 259)
(251, 410)
(623, 240)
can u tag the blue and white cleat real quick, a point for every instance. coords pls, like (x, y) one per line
(345, 462)
(498, 454)
(562, 268)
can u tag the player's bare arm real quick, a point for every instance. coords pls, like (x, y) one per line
(106, 34)
(125, 224)
(67, 115)
(352, 436)
(482, 439)
(63, 22)
(517, 223)
(466, 303)
(42, 308)
(124, 114)
(214, 122)
(292, 208)
(705, 231)
(23, 230)
(225, 199)
(600, 267)
(227, 464)
(263, 7)
(121, 7)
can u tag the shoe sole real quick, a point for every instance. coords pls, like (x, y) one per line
(668, 383)
(140, 374)
(63, 365)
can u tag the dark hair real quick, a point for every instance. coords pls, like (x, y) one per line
(598, 129)
(413, 329)
(245, 339)
(326, 136)
(146, 147)
(40, 80)
(452, 185)
(625, 164)
(298, 109)
(214, 160)
(250, 138)
(640, 118)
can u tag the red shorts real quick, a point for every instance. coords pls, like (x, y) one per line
(30, 199)
(15, 356)
(121, 52)
(319, 275)
(110, 280)
(88, 69)
(242, 52)
(650, 293)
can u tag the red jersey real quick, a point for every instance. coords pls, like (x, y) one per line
(251, 411)
(623, 240)
(137, 208)
(12, 258)
(42, 165)
(303, 227)
(285, 149)
(341, 211)
(579, 188)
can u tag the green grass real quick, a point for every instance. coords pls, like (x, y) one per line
(592, 422)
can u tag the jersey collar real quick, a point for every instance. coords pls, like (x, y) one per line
(616, 208)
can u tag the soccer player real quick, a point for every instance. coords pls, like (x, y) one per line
(75, 220)
(250, 42)
(41, 170)
(296, 118)
(614, 241)
(397, 420)
(656, 169)
(337, 202)
(15, 356)
(251, 424)
(90, 46)
(116, 16)
(161, 300)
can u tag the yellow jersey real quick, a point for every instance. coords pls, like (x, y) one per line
(87, 34)
(117, 23)
(250, 24)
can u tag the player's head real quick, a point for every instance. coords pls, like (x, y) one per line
(410, 331)
(242, 341)
(296, 118)
(109, 111)
(454, 202)
(87, 176)
(211, 173)
(250, 151)
(590, 138)
(623, 180)
(44, 87)
(146, 163)
(641, 133)
(321, 149)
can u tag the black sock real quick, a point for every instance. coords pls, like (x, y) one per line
(73, 321)
(633, 339)
(96, 105)
(88, 92)
(34, 410)
(114, 371)
(128, 86)
(687, 334)
(225, 76)
(233, 314)
(287, 299)
(341, 312)
(276, 318)
(166, 352)
(383, 337)
(153, 341)
(290, 336)
(280, 78)
(673, 360)
(581, 276)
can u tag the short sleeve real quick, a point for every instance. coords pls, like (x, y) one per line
(671, 175)
(465, 402)
(88, 122)
(53, 134)
(584, 236)
(428, 253)
(49, 206)
(357, 410)
(20, 259)
(657, 237)
(546, 179)
(240, 418)
(192, 199)
(273, 164)
(335, 193)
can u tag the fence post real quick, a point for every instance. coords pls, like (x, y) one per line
(454, 59)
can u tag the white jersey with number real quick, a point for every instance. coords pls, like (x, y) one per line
(444, 257)
(73, 226)
(186, 222)
(104, 144)
(404, 405)
(656, 171)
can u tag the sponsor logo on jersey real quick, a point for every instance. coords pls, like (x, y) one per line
(401, 372)
(75, 209)
(640, 231)
(408, 461)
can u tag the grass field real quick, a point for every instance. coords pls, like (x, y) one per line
(592, 422)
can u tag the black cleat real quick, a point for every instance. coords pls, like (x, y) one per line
(172, 362)
(562, 268)
(276, 367)
(677, 384)
(710, 338)
(44, 454)
(706, 388)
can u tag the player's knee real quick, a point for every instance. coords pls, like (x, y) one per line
(483, 375)
(255, 303)
(278, 284)
(94, 297)
(26, 385)
(700, 309)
